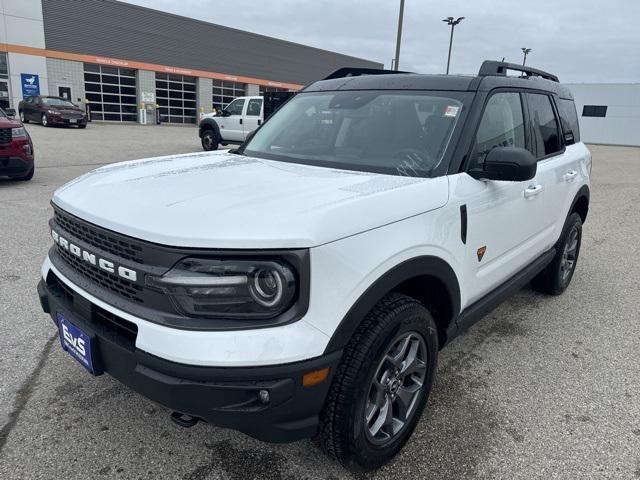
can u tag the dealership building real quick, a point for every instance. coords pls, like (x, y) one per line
(122, 59)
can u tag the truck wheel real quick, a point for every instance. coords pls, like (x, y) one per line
(555, 278)
(209, 140)
(381, 385)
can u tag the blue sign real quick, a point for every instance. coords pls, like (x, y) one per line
(30, 84)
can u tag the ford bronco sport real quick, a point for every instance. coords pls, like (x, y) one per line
(303, 284)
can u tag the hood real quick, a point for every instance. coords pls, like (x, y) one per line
(9, 123)
(222, 200)
(73, 108)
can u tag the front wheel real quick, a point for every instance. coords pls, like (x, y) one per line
(44, 120)
(555, 278)
(23, 119)
(209, 140)
(381, 385)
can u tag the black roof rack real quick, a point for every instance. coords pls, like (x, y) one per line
(356, 72)
(493, 68)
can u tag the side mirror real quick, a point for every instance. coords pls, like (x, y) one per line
(511, 164)
(224, 113)
(11, 112)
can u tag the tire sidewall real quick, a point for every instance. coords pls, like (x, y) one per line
(213, 141)
(574, 220)
(44, 120)
(408, 320)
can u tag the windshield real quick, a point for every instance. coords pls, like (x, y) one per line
(57, 101)
(395, 132)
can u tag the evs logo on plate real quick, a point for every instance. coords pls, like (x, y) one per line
(76, 342)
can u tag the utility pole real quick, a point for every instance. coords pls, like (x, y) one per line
(453, 22)
(526, 52)
(397, 63)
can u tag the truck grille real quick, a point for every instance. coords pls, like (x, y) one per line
(114, 283)
(85, 232)
(5, 135)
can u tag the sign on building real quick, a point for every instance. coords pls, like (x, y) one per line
(30, 84)
(148, 97)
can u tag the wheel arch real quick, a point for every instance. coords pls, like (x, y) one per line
(208, 124)
(580, 203)
(428, 279)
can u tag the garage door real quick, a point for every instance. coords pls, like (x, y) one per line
(176, 95)
(224, 92)
(111, 92)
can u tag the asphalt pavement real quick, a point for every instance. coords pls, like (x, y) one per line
(543, 387)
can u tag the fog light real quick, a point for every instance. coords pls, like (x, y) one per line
(263, 395)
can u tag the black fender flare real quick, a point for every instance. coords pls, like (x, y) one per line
(583, 192)
(407, 270)
(207, 124)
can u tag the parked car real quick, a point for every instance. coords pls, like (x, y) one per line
(16, 148)
(303, 284)
(239, 119)
(49, 111)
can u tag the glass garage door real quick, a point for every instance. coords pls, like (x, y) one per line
(224, 92)
(111, 92)
(176, 95)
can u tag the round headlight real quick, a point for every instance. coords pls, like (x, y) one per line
(266, 287)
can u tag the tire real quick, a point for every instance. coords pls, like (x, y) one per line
(23, 119)
(26, 177)
(209, 140)
(345, 433)
(44, 120)
(556, 277)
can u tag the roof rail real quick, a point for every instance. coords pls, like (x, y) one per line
(493, 68)
(356, 72)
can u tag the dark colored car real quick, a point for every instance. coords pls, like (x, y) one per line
(16, 149)
(51, 111)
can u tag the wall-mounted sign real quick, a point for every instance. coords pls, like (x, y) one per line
(30, 84)
(148, 97)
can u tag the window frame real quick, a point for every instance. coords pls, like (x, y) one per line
(247, 114)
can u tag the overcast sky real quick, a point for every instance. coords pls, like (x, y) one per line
(579, 40)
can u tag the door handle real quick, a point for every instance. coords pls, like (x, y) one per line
(240, 121)
(570, 175)
(532, 191)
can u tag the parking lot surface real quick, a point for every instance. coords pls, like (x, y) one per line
(543, 387)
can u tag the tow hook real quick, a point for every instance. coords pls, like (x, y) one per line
(184, 420)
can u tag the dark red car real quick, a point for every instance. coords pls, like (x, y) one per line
(16, 149)
(51, 111)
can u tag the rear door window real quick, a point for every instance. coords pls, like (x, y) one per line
(546, 131)
(569, 121)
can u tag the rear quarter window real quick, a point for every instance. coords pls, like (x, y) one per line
(569, 119)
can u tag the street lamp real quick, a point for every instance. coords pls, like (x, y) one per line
(526, 52)
(397, 63)
(453, 22)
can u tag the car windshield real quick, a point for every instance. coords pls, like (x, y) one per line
(57, 101)
(394, 132)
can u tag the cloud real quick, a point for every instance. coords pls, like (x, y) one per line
(578, 40)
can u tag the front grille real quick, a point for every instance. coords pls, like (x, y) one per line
(5, 135)
(124, 330)
(116, 246)
(114, 283)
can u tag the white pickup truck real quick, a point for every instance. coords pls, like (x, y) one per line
(238, 119)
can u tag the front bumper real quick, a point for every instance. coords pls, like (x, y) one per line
(15, 166)
(224, 396)
(61, 120)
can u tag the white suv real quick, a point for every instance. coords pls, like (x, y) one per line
(303, 284)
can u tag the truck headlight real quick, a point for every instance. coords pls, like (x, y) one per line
(228, 288)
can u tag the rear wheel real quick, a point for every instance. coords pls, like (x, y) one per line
(44, 120)
(556, 277)
(381, 385)
(209, 140)
(23, 119)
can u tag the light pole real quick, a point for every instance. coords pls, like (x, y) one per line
(399, 38)
(526, 52)
(453, 22)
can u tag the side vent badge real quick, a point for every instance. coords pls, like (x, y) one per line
(480, 252)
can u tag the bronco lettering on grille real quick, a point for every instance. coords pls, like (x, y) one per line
(91, 258)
